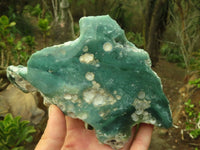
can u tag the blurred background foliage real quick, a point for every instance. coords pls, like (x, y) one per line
(167, 29)
(171, 31)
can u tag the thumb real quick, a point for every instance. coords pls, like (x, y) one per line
(55, 132)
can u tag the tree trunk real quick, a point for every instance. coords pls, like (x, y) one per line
(55, 9)
(63, 26)
(2, 57)
(155, 22)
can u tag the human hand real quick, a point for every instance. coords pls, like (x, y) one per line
(65, 133)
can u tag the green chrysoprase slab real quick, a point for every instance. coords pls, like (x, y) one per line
(100, 78)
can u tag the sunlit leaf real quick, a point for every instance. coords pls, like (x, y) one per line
(12, 24)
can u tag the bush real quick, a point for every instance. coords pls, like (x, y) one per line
(33, 11)
(196, 82)
(6, 39)
(192, 120)
(135, 38)
(14, 133)
(195, 61)
(44, 26)
(173, 54)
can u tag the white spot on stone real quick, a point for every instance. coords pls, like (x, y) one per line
(145, 115)
(86, 58)
(139, 111)
(148, 62)
(89, 76)
(141, 95)
(89, 95)
(98, 96)
(153, 121)
(101, 91)
(102, 114)
(99, 100)
(141, 104)
(13, 68)
(135, 49)
(115, 92)
(70, 111)
(96, 85)
(118, 97)
(111, 99)
(107, 47)
(85, 48)
(140, 115)
(74, 97)
(67, 96)
(83, 116)
(115, 109)
(97, 65)
(135, 117)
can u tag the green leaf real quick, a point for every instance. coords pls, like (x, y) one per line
(18, 148)
(195, 133)
(12, 24)
(44, 25)
(19, 46)
(2, 44)
(13, 132)
(29, 139)
(10, 40)
(8, 119)
(4, 20)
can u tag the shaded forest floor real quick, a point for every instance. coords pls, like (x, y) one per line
(172, 78)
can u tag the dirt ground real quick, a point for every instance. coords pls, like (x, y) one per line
(174, 138)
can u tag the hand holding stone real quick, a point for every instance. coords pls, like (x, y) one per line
(65, 133)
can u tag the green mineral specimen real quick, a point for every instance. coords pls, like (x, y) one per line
(100, 78)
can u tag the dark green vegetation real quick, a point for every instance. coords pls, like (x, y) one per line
(15, 133)
(193, 119)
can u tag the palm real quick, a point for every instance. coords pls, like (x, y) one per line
(82, 139)
(65, 133)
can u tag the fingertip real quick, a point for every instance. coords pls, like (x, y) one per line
(143, 138)
(55, 131)
(54, 110)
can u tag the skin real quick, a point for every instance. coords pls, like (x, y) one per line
(65, 133)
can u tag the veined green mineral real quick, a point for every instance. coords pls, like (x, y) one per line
(100, 78)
